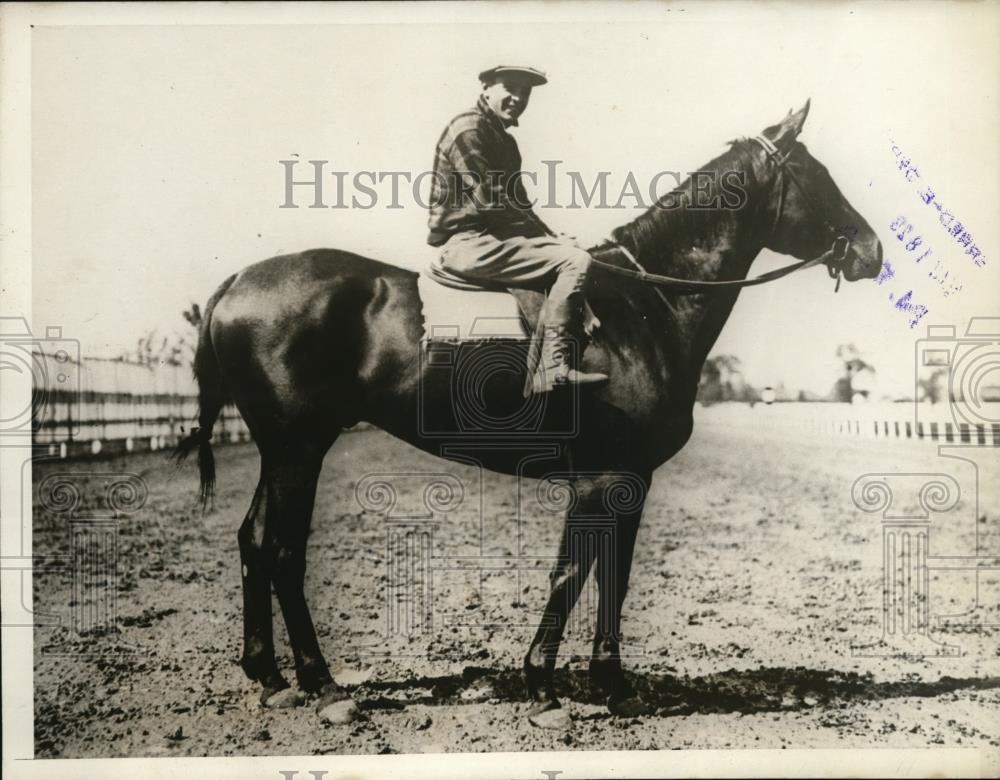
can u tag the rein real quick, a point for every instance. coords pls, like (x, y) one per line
(833, 257)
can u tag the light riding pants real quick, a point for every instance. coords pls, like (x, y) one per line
(543, 263)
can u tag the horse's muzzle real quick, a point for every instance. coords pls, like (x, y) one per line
(863, 261)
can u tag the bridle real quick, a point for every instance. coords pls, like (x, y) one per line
(841, 244)
(833, 258)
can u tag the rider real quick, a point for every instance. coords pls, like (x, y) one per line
(482, 220)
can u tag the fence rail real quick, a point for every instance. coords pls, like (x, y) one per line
(94, 406)
(932, 423)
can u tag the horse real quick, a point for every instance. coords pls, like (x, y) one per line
(309, 344)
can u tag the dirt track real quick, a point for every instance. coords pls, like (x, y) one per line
(754, 576)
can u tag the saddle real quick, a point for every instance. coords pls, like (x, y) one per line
(461, 316)
(455, 309)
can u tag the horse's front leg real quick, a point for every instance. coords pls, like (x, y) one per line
(577, 552)
(614, 565)
(565, 583)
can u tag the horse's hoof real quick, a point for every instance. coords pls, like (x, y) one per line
(550, 717)
(283, 698)
(631, 707)
(338, 712)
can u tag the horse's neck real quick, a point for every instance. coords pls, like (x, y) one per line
(706, 315)
(696, 321)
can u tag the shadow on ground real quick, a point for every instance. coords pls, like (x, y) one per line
(744, 691)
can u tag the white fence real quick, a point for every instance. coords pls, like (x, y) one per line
(94, 406)
(934, 423)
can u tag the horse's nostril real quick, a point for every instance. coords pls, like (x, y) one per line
(878, 252)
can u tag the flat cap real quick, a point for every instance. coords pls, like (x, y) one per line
(535, 77)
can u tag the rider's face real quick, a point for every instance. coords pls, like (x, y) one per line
(507, 97)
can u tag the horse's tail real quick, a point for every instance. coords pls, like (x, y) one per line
(212, 396)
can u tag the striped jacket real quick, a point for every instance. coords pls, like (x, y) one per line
(477, 181)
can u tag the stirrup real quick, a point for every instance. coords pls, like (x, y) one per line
(575, 377)
(554, 367)
(544, 381)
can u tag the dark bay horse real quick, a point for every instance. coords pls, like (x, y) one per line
(311, 343)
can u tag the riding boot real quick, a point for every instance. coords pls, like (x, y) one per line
(557, 363)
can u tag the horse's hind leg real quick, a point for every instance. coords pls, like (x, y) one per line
(291, 496)
(258, 639)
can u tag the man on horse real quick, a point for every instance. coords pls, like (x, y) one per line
(488, 233)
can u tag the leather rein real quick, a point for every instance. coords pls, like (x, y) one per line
(834, 257)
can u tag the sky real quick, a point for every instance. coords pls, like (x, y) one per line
(156, 152)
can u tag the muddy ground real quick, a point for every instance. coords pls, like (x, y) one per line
(755, 576)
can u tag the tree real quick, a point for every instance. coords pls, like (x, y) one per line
(722, 380)
(193, 316)
(172, 349)
(933, 388)
(848, 385)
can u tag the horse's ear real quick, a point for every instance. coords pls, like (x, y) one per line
(788, 129)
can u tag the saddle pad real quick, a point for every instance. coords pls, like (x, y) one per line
(464, 315)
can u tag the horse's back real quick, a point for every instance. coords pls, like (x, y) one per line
(306, 283)
(315, 266)
(314, 328)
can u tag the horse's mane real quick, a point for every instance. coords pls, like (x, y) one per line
(665, 224)
(659, 236)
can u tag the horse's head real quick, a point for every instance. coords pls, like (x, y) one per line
(811, 218)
